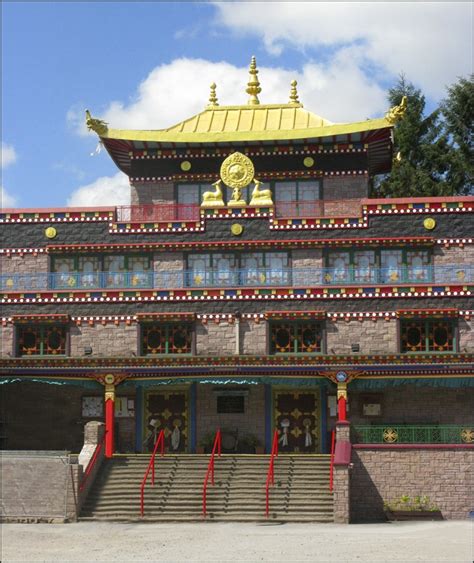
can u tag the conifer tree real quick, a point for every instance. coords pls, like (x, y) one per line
(423, 148)
(458, 113)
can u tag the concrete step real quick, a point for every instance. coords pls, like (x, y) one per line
(301, 490)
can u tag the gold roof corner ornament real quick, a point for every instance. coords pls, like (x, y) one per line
(213, 97)
(294, 93)
(97, 125)
(253, 85)
(396, 113)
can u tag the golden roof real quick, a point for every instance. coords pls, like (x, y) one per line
(251, 122)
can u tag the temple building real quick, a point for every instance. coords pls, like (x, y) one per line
(251, 285)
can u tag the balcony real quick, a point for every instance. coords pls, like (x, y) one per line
(168, 212)
(259, 277)
(408, 434)
(159, 212)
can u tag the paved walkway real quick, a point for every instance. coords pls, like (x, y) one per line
(404, 541)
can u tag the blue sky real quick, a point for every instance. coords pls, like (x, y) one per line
(148, 65)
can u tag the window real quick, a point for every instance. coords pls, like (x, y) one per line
(297, 198)
(160, 338)
(82, 272)
(232, 404)
(295, 338)
(378, 266)
(41, 340)
(233, 269)
(427, 335)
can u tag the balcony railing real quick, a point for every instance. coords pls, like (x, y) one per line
(408, 434)
(171, 211)
(319, 208)
(258, 277)
(158, 212)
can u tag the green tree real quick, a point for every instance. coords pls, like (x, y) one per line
(423, 147)
(458, 113)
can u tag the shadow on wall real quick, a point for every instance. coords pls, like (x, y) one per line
(366, 504)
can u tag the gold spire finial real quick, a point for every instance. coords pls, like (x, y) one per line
(213, 96)
(294, 93)
(253, 85)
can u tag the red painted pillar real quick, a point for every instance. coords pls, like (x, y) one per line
(109, 427)
(341, 409)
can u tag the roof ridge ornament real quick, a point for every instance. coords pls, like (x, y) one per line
(253, 85)
(213, 97)
(294, 93)
(97, 125)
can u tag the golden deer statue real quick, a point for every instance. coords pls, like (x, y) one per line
(213, 199)
(260, 198)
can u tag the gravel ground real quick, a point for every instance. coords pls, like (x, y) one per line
(403, 541)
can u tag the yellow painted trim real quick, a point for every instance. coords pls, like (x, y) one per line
(164, 136)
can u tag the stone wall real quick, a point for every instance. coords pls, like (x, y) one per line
(466, 336)
(409, 404)
(345, 187)
(38, 416)
(39, 487)
(150, 194)
(446, 476)
(122, 340)
(6, 341)
(168, 269)
(215, 339)
(373, 337)
(306, 259)
(453, 255)
(24, 264)
(251, 421)
(105, 340)
(253, 338)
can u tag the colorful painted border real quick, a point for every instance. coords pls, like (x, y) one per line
(243, 294)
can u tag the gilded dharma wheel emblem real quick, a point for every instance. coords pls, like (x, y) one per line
(390, 435)
(237, 171)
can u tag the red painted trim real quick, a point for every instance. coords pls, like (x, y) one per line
(56, 209)
(370, 202)
(242, 244)
(388, 201)
(413, 446)
(41, 317)
(342, 454)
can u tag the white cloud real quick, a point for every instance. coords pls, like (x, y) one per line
(107, 190)
(7, 200)
(339, 91)
(431, 42)
(9, 155)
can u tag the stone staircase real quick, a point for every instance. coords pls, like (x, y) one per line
(301, 490)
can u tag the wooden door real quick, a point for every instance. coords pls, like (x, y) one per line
(168, 411)
(297, 418)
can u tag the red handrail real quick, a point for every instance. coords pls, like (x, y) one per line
(92, 462)
(331, 467)
(271, 472)
(210, 470)
(151, 466)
